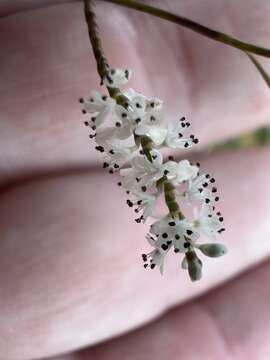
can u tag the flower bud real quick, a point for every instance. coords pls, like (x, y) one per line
(213, 250)
(194, 266)
(184, 264)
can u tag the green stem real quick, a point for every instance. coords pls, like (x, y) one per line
(102, 63)
(170, 199)
(194, 26)
(260, 68)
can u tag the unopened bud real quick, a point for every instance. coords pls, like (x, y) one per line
(194, 266)
(213, 250)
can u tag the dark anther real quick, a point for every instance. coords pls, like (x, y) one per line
(138, 105)
(93, 118)
(220, 219)
(124, 115)
(111, 171)
(104, 97)
(182, 119)
(116, 166)
(186, 145)
(91, 100)
(216, 198)
(126, 74)
(171, 223)
(207, 201)
(177, 237)
(152, 118)
(164, 247)
(186, 245)
(86, 123)
(207, 176)
(205, 184)
(145, 265)
(144, 257)
(192, 136)
(196, 141)
(164, 235)
(152, 104)
(144, 188)
(81, 100)
(112, 71)
(180, 135)
(198, 164)
(111, 152)
(189, 232)
(169, 242)
(154, 157)
(141, 152)
(166, 172)
(171, 158)
(84, 111)
(130, 203)
(118, 124)
(119, 183)
(214, 190)
(152, 266)
(183, 124)
(187, 124)
(176, 250)
(99, 148)
(139, 202)
(212, 180)
(105, 165)
(138, 120)
(93, 127)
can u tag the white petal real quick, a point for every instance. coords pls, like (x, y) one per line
(156, 134)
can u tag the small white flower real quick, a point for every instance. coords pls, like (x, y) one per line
(143, 202)
(157, 256)
(208, 222)
(174, 137)
(180, 172)
(117, 155)
(200, 188)
(143, 172)
(155, 133)
(117, 77)
(99, 105)
(182, 233)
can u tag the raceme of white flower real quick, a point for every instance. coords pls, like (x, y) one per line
(130, 138)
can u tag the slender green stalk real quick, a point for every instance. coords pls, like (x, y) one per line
(261, 70)
(194, 26)
(102, 63)
(170, 199)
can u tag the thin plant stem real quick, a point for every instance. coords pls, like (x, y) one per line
(194, 26)
(260, 68)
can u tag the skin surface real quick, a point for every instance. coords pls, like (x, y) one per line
(70, 271)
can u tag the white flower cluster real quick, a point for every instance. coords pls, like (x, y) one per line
(130, 137)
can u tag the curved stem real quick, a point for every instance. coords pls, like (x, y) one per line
(260, 68)
(194, 26)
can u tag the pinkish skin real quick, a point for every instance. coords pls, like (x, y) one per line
(65, 281)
